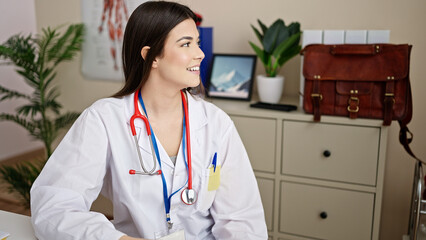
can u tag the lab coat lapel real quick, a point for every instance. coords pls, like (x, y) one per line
(165, 159)
(145, 145)
(141, 132)
(197, 113)
(197, 119)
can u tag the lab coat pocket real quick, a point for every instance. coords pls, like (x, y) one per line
(210, 181)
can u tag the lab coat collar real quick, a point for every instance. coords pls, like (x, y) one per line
(197, 119)
(197, 114)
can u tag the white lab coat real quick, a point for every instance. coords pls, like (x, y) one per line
(97, 153)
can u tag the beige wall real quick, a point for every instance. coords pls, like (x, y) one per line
(15, 16)
(231, 21)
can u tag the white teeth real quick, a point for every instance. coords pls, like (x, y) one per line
(193, 69)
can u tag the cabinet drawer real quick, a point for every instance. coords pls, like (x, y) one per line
(266, 189)
(258, 136)
(332, 152)
(345, 214)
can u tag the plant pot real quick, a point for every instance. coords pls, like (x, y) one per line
(270, 89)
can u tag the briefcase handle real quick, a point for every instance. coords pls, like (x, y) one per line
(355, 49)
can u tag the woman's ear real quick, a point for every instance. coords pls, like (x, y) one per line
(144, 52)
(154, 63)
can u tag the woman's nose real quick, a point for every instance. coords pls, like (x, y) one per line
(199, 54)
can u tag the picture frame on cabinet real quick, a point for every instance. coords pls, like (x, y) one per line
(231, 76)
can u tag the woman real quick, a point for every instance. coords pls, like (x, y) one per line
(190, 177)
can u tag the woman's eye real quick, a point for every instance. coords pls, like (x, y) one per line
(189, 43)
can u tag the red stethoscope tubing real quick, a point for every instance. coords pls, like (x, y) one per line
(138, 114)
(188, 139)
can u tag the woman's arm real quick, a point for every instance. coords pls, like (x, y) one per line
(237, 209)
(70, 181)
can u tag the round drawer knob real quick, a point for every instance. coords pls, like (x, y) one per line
(323, 215)
(326, 153)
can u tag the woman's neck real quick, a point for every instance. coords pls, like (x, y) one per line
(165, 113)
(161, 101)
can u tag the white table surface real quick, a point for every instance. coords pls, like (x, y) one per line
(19, 226)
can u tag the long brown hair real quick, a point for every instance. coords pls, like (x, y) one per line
(149, 25)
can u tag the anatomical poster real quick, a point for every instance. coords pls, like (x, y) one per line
(105, 22)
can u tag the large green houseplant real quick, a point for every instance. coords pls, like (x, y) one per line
(279, 43)
(36, 59)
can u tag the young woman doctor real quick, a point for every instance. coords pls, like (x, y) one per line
(177, 168)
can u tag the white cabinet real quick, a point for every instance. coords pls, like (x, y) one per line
(317, 180)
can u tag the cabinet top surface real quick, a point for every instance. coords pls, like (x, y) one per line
(242, 108)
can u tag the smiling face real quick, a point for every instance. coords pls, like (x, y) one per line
(179, 64)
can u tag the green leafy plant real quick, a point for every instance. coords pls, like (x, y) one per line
(36, 59)
(279, 42)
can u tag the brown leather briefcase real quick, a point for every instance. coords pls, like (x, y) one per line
(359, 80)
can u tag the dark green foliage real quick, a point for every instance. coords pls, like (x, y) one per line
(280, 43)
(35, 59)
(20, 179)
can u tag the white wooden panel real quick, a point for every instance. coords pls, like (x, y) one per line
(356, 36)
(266, 188)
(349, 213)
(354, 152)
(334, 37)
(258, 136)
(311, 37)
(378, 36)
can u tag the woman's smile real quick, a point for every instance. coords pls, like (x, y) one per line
(194, 69)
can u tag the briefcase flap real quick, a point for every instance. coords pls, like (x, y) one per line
(356, 62)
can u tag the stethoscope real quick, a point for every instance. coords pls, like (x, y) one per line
(188, 195)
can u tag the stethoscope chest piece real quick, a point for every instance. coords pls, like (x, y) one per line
(189, 196)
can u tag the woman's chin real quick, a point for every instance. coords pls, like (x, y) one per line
(194, 82)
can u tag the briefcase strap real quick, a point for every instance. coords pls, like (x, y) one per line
(405, 140)
(388, 102)
(316, 99)
(405, 136)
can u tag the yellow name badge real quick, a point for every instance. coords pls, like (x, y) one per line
(214, 178)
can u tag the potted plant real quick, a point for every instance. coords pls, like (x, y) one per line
(280, 43)
(35, 59)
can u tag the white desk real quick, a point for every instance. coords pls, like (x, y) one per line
(19, 226)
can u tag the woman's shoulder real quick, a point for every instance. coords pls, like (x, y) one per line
(108, 102)
(213, 114)
(109, 105)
